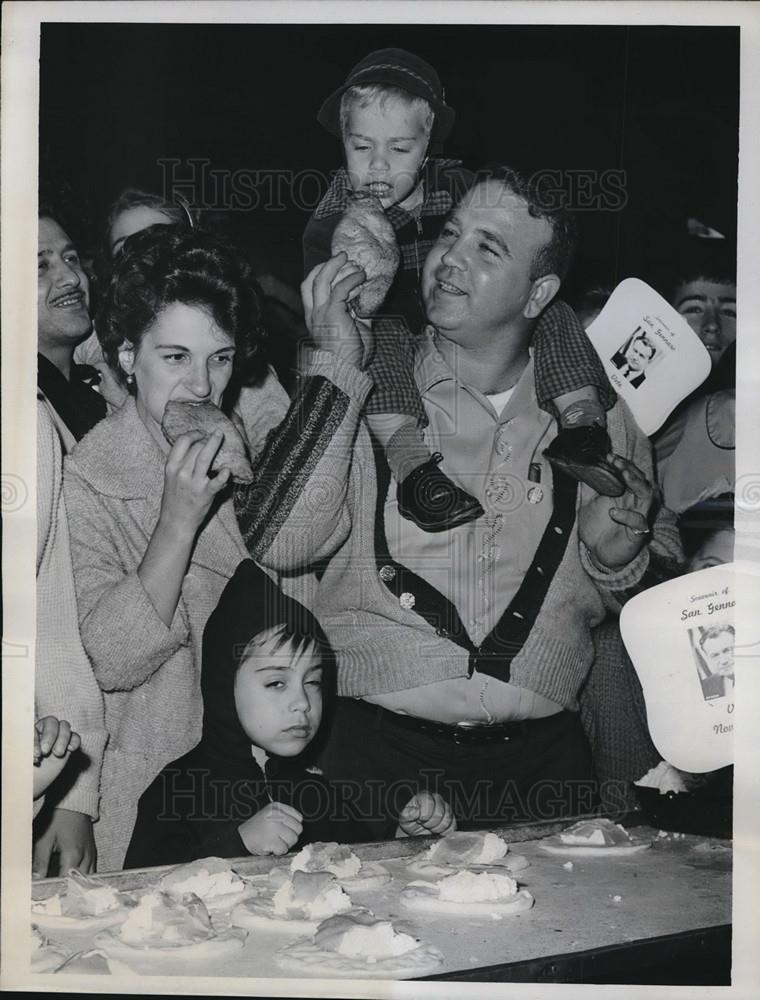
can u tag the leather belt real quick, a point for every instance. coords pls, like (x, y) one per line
(461, 735)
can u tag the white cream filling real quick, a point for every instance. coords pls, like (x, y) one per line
(664, 777)
(348, 868)
(467, 887)
(599, 833)
(90, 901)
(344, 868)
(589, 837)
(325, 904)
(447, 850)
(207, 885)
(375, 941)
(494, 848)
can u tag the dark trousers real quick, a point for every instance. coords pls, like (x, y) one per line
(376, 760)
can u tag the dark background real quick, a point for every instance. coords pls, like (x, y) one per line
(660, 103)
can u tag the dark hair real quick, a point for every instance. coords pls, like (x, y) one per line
(287, 634)
(177, 211)
(591, 301)
(160, 266)
(63, 202)
(712, 631)
(292, 629)
(63, 216)
(48, 210)
(557, 256)
(696, 258)
(642, 337)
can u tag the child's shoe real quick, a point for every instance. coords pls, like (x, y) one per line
(432, 501)
(582, 452)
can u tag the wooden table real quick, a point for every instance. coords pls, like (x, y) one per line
(660, 916)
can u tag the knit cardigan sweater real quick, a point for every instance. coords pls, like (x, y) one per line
(150, 672)
(64, 684)
(383, 647)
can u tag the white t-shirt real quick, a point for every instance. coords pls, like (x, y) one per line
(500, 399)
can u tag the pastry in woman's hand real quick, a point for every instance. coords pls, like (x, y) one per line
(205, 418)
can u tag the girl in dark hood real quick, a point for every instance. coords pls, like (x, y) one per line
(244, 789)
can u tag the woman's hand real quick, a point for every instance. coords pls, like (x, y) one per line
(69, 834)
(188, 496)
(273, 830)
(426, 812)
(325, 292)
(615, 529)
(188, 490)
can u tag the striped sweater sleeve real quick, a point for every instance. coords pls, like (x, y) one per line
(295, 512)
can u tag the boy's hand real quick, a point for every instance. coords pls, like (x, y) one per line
(615, 529)
(426, 812)
(54, 742)
(273, 830)
(325, 292)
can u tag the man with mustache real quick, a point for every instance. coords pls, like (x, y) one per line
(63, 322)
(461, 654)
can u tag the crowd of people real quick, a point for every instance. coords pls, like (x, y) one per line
(407, 620)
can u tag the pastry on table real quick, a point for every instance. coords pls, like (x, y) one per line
(340, 861)
(460, 849)
(468, 893)
(211, 879)
(45, 957)
(298, 905)
(359, 945)
(87, 903)
(369, 240)
(163, 928)
(181, 417)
(598, 837)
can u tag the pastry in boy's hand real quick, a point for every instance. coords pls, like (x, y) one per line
(369, 240)
(205, 418)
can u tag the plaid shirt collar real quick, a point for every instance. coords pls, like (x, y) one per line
(436, 200)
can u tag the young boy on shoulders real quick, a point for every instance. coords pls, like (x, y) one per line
(392, 118)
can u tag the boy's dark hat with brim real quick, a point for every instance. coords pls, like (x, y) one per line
(394, 68)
